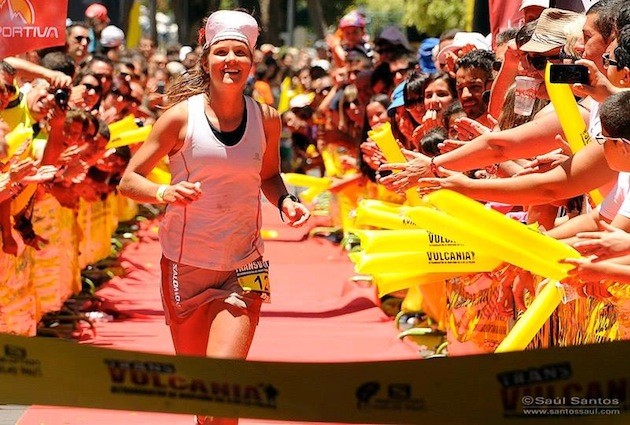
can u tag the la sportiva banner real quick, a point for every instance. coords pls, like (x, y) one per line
(31, 24)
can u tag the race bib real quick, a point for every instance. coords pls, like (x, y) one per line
(254, 277)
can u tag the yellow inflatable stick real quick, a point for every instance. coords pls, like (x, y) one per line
(309, 194)
(268, 234)
(384, 139)
(379, 241)
(571, 120)
(382, 205)
(505, 237)
(159, 176)
(126, 124)
(330, 164)
(460, 261)
(393, 282)
(17, 138)
(129, 137)
(544, 304)
(373, 241)
(304, 180)
(366, 216)
(413, 300)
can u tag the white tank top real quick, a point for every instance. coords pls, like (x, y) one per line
(220, 230)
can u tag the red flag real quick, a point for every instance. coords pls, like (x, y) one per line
(31, 24)
(504, 14)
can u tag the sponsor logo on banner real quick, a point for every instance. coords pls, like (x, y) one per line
(549, 390)
(26, 25)
(162, 380)
(14, 361)
(395, 396)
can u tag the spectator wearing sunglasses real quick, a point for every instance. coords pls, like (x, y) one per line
(77, 42)
(93, 90)
(547, 42)
(103, 68)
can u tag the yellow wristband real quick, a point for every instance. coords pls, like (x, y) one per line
(159, 195)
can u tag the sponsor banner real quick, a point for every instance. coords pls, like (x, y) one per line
(31, 24)
(582, 384)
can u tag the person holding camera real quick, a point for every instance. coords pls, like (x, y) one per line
(223, 149)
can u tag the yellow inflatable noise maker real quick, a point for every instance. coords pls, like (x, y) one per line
(129, 137)
(571, 120)
(304, 180)
(126, 124)
(518, 245)
(16, 139)
(314, 185)
(506, 238)
(384, 139)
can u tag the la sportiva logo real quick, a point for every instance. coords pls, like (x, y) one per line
(19, 11)
(19, 20)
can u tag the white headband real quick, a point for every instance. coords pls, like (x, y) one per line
(231, 25)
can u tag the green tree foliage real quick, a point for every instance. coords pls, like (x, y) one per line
(435, 16)
(428, 16)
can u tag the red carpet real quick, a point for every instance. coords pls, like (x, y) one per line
(316, 315)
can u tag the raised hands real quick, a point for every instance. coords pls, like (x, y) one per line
(609, 243)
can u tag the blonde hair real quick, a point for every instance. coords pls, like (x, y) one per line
(574, 34)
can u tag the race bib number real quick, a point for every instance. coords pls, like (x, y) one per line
(254, 277)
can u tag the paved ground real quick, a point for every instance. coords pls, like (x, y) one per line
(10, 413)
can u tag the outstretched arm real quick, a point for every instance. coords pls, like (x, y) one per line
(579, 174)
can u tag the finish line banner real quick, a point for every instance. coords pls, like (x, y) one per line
(585, 384)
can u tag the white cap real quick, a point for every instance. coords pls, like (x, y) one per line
(301, 100)
(527, 3)
(231, 25)
(175, 68)
(184, 51)
(112, 36)
(462, 39)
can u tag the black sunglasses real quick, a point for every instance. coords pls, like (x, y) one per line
(540, 62)
(607, 62)
(89, 87)
(402, 70)
(80, 39)
(103, 76)
(11, 89)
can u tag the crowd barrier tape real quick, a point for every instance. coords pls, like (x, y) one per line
(504, 388)
(37, 282)
(571, 120)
